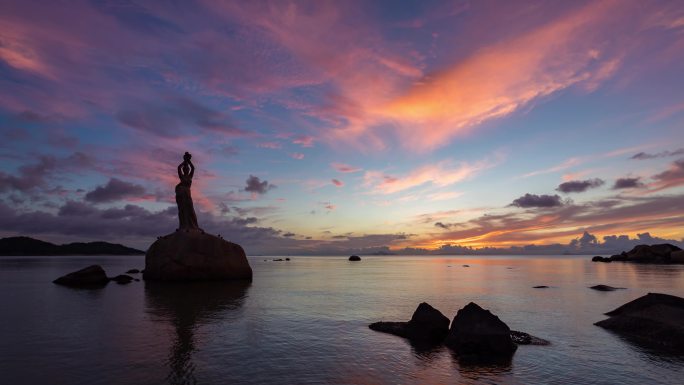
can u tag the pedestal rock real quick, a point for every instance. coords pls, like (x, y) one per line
(193, 255)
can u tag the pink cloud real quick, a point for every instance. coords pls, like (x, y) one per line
(271, 145)
(345, 168)
(304, 140)
(337, 183)
(297, 155)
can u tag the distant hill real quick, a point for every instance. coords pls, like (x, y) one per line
(28, 246)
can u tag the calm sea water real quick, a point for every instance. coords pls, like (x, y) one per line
(305, 322)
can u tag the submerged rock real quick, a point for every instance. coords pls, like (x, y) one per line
(354, 258)
(91, 276)
(654, 319)
(522, 338)
(540, 287)
(133, 271)
(606, 288)
(477, 334)
(427, 325)
(122, 279)
(193, 255)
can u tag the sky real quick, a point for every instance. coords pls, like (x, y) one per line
(331, 127)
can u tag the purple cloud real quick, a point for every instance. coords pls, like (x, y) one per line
(257, 186)
(663, 154)
(627, 183)
(579, 185)
(115, 190)
(533, 200)
(672, 177)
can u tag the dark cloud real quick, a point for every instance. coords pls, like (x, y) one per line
(288, 234)
(672, 177)
(626, 183)
(579, 185)
(29, 176)
(663, 154)
(176, 116)
(533, 200)
(257, 186)
(114, 190)
(445, 226)
(36, 175)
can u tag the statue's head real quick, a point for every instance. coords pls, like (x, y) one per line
(187, 156)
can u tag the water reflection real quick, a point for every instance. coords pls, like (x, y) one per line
(187, 307)
(478, 370)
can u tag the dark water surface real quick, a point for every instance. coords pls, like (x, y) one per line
(305, 322)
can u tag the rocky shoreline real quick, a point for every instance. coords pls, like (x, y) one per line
(664, 253)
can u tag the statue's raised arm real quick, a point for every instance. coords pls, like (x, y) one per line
(192, 169)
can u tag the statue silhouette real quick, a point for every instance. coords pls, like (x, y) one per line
(186, 211)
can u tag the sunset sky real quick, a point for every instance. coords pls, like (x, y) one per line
(343, 126)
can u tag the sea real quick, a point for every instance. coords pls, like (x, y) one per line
(305, 321)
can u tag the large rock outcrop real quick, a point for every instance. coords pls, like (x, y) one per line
(654, 320)
(91, 276)
(477, 334)
(427, 326)
(193, 255)
(661, 253)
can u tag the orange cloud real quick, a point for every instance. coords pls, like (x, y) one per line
(496, 81)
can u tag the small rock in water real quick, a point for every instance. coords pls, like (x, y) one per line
(540, 287)
(522, 338)
(287, 259)
(122, 279)
(354, 258)
(278, 260)
(605, 288)
(133, 271)
(466, 265)
(599, 258)
(91, 276)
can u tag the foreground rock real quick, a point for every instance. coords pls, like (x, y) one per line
(661, 253)
(354, 258)
(193, 255)
(605, 288)
(654, 319)
(91, 276)
(477, 334)
(427, 326)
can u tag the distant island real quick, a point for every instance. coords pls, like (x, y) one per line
(26, 246)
